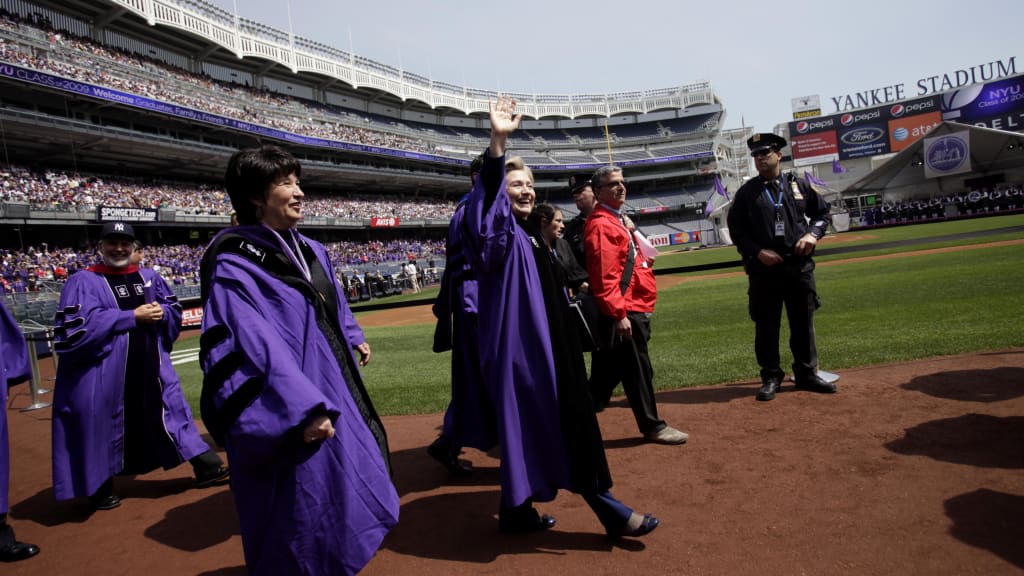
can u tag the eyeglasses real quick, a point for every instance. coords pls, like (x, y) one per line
(613, 184)
(759, 153)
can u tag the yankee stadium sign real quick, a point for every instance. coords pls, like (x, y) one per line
(927, 85)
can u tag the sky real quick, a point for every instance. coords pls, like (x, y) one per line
(757, 54)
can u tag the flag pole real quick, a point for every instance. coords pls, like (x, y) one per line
(608, 141)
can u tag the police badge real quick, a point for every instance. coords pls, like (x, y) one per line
(795, 188)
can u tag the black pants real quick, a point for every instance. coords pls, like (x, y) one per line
(627, 361)
(791, 284)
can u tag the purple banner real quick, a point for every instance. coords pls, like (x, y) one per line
(998, 104)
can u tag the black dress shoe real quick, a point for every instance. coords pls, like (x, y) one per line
(649, 523)
(768, 390)
(108, 502)
(442, 451)
(538, 523)
(18, 551)
(212, 477)
(816, 384)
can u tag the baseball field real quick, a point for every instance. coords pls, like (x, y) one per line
(916, 465)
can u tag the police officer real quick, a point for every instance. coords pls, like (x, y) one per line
(583, 195)
(775, 221)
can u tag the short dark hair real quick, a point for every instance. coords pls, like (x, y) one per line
(542, 212)
(602, 175)
(250, 172)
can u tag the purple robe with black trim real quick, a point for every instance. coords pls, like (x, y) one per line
(15, 367)
(277, 352)
(532, 362)
(92, 340)
(469, 419)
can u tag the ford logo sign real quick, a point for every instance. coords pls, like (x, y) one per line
(862, 136)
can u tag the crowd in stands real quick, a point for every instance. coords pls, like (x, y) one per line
(81, 58)
(976, 202)
(85, 60)
(61, 191)
(26, 270)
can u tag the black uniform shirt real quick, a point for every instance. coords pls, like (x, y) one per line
(752, 216)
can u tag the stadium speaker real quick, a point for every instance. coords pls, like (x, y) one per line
(16, 209)
(167, 215)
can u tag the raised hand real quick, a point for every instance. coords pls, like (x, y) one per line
(504, 121)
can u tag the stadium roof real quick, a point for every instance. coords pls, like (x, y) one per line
(992, 152)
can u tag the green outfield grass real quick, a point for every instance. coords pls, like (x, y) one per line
(873, 312)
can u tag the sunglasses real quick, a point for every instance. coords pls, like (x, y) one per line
(760, 153)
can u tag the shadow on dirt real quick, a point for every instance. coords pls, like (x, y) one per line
(994, 385)
(210, 521)
(973, 439)
(463, 527)
(989, 520)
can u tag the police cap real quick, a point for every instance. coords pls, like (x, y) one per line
(765, 141)
(577, 182)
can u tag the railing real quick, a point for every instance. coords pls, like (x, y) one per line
(248, 38)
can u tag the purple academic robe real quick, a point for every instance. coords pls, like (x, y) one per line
(274, 359)
(91, 339)
(469, 419)
(15, 367)
(532, 365)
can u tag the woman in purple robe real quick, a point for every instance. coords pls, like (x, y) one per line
(532, 363)
(15, 367)
(282, 390)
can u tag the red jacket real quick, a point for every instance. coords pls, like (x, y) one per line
(607, 246)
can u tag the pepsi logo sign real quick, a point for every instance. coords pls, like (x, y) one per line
(849, 119)
(805, 126)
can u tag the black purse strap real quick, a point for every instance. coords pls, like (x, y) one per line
(627, 271)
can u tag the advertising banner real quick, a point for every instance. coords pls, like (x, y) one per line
(909, 129)
(384, 223)
(947, 154)
(191, 317)
(862, 133)
(114, 214)
(998, 105)
(813, 148)
(864, 140)
(806, 106)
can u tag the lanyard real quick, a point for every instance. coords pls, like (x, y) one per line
(768, 193)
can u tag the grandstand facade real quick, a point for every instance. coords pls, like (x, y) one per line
(129, 109)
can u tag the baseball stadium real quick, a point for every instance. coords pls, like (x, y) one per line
(128, 111)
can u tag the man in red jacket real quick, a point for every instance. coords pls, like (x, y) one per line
(623, 285)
